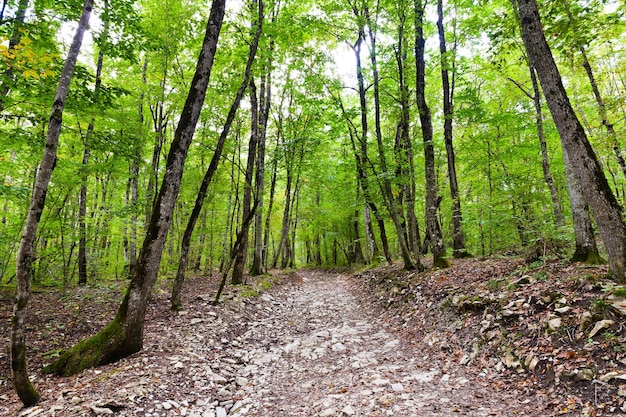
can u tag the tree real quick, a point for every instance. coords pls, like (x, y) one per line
(458, 238)
(588, 171)
(176, 302)
(123, 336)
(432, 201)
(24, 388)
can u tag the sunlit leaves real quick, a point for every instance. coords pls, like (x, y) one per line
(24, 58)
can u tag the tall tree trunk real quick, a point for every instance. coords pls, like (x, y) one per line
(596, 190)
(124, 335)
(284, 230)
(242, 249)
(82, 200)
(406, 166)
(545, 164)
(586, 248)
(24, 388)
(259, 249)
(176, 301)
(458, 237)
(395, 211)
(432, 223)
(134, 180)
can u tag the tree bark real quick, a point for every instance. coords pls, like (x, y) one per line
(260, 251)
(176, 300)
(82, 200)
(124, 335)
(545, 164)
(432, 223)
(586, 249)
(242, 249)
(458, 237)
(24, 388)
(395, 211)
(404, 145)
(587, 169)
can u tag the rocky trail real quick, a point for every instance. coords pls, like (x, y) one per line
(309, 347)
(314, 344)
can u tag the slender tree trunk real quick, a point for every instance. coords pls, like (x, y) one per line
(242, 250)
(458, 237)
(82, 200)
(268, 216)
(588, 171)
(134, 181)
(599, 100)
(24, 388)
(284, 230)
(610, 129)
(432, 223)
(396, 212)
(404, 145)
(545, 164)
(176, 301)
(259, 249)
(124, 335)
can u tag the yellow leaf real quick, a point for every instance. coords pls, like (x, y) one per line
(26, 41)
(31, 73)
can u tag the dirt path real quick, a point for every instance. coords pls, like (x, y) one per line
(309, 347)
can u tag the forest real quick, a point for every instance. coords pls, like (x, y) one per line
(145, 142)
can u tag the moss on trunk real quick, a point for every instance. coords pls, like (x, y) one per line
(106, 346)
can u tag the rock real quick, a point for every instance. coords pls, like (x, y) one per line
(612, 375)
(554, 323)
(218, 379)
(585, 320)
(563, 310)
(328, 412)
(166, 405)
(338, 347)
(220, 412)
(397, 387)
(380, 381)
(241, 381)
(348, 411)
(584, 374)
(96, 410)
(602, 324)
(618, 304)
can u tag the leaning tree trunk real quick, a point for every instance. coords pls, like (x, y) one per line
(588, 170)
(123, 336)
(432, 223)
(24, 388)
(458, 237)
(176, 301)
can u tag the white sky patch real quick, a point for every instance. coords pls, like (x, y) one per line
(344, 65)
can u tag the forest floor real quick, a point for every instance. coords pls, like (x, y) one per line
(494, 337)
